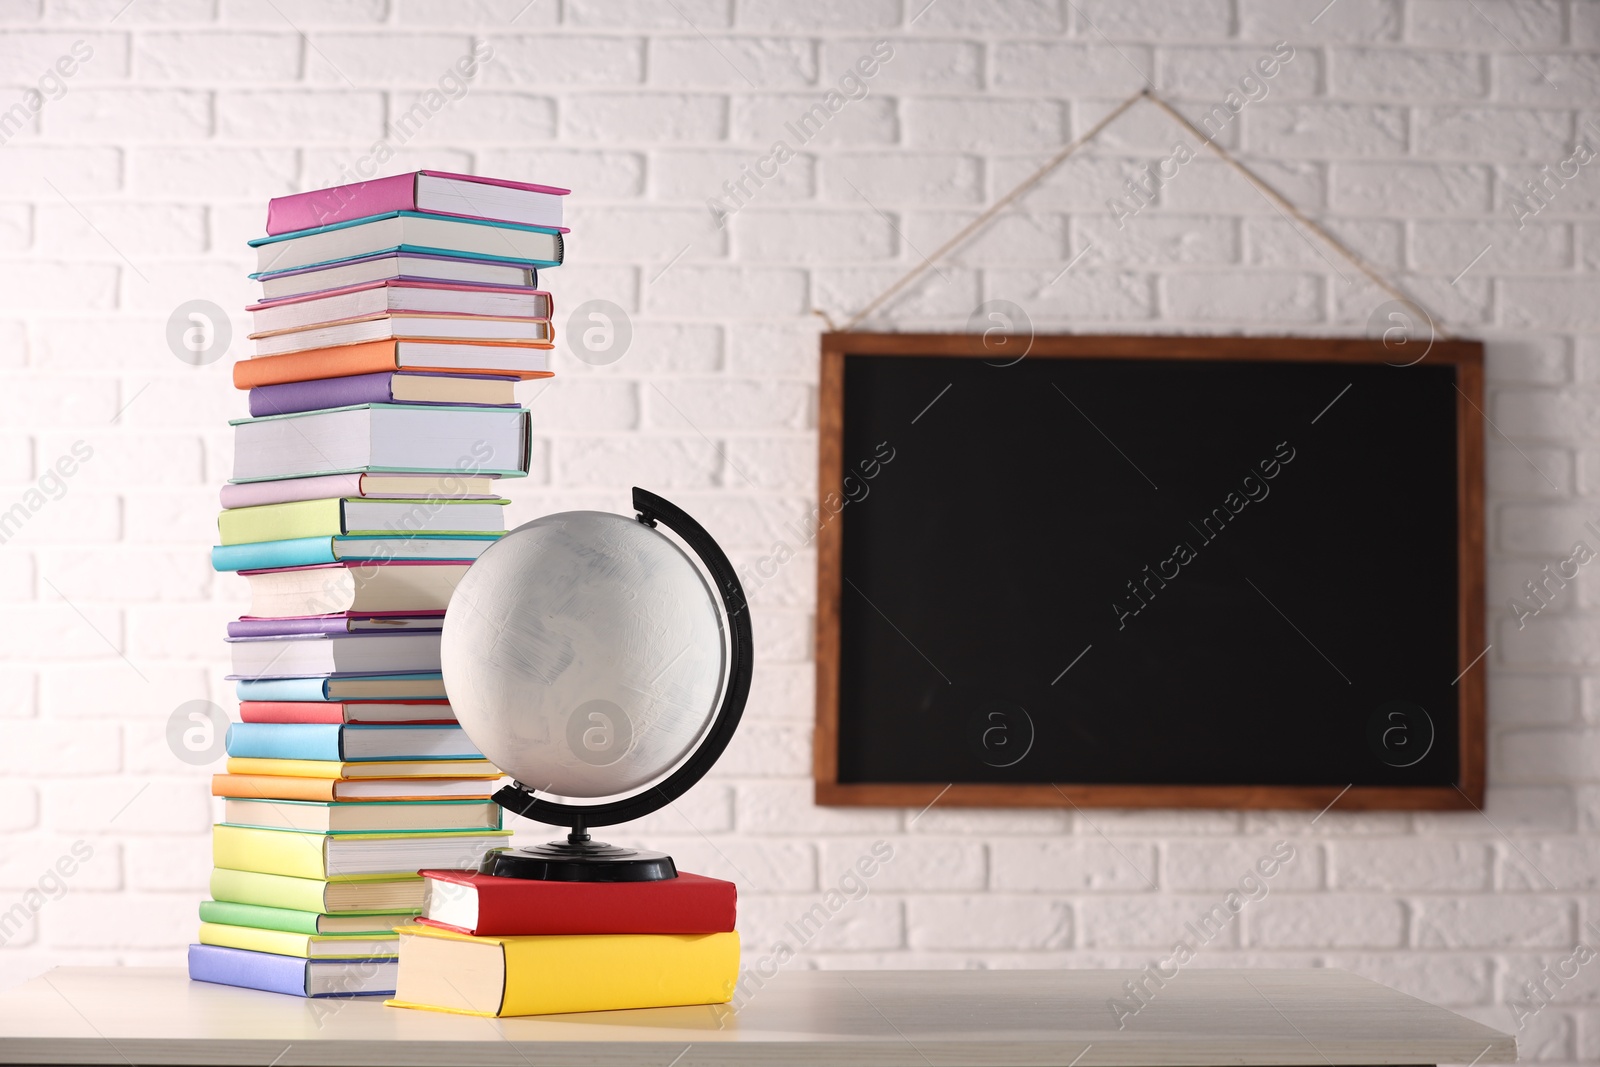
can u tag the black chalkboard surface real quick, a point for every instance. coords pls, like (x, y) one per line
(1139, 571)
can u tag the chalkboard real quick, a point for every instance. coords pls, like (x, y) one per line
(1150, 571)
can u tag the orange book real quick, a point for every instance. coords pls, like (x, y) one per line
(287, 787)
(404, 354)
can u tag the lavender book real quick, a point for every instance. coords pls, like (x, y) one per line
(383, 387)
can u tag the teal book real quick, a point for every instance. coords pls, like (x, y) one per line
(419, 686)
(421, 232)
(323, 741)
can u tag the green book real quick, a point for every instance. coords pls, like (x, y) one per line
(381, 923)
(340, 896)
(350, 516)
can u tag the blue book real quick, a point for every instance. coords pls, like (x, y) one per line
(333, 742)
(410, 231)
(307, 551)
(292, 975)
(419, 686)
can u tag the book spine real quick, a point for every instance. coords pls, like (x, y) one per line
(317, 624)
(288, 490)
(295, 689)
(249, 970)
(231, 914)
(244, 888)
(313, 741)
(272, 787)
(292, 397)
(268, 555)
(323, 207)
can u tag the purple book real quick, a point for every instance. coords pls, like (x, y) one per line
(333, 624)
(292, 975)
(378, 388)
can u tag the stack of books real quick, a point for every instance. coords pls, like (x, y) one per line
(494, 946)
(397, 316)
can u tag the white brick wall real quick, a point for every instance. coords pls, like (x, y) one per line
(1405, 125)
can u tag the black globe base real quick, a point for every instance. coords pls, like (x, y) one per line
(578, 859)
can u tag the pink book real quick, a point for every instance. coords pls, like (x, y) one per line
(434, 191)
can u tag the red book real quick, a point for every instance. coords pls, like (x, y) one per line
(486, 906)
(347, 711)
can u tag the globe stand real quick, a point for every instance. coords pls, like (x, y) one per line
(580, 859)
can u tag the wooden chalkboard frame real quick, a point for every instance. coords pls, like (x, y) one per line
(1466, 357)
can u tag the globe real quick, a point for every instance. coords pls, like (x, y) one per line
(586, 656)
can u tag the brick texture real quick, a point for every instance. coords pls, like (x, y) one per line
(1408, 127)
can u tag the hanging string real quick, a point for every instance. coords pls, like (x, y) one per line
(1299, 216)
(1060, 157)
(993, 209)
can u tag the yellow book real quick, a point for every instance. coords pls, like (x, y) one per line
(306, 946)
(316, 768)
(441, 970)
(301, 854)
(358, 892)
(336, 516)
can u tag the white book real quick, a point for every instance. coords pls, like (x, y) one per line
(377, 437)
(333, 588)
(395, 265)
(309, 655)
(392, 326)
(379, 299)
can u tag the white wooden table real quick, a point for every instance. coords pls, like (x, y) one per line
(911, 1018)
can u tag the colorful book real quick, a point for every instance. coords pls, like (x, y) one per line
(309, 655)
(384, 387)
(440, 357)
(361, 587)
(373, 923)
(292, 975)
(488, 906)
(397, 486)
(310, 855)
(348, 790)
(407, 326)
(441, 970)
(299, 768)
(429, 686)
(413, 437)
(347, 711)
(368, 893)
(305, 946)
(434, 191)
(396, 266)
(357, 744)
(316, 551)
(409, 231)
(362, 816)
(358, 517)
(343, 623)
(398, 297)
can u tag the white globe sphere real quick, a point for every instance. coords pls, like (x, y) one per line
(585, 655)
